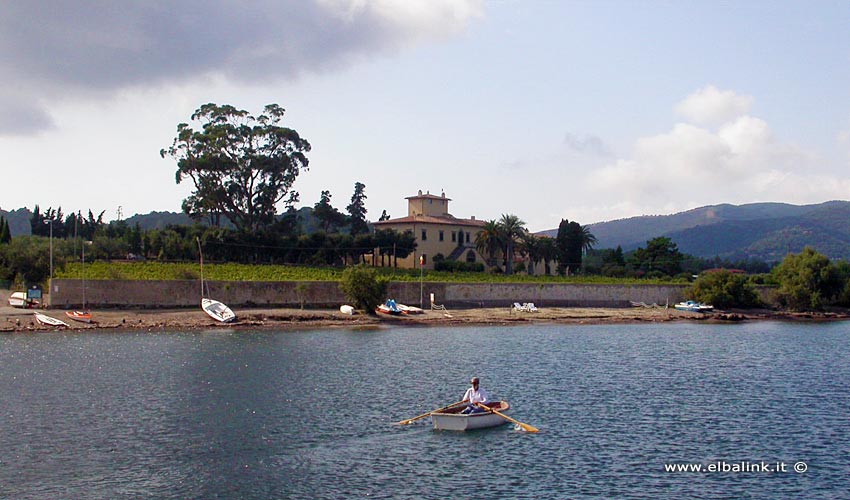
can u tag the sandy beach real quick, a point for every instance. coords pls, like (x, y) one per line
(23, 320)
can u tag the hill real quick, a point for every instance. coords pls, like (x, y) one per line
(19, 220)
(765, 231)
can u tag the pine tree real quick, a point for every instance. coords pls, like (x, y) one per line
(357, 210)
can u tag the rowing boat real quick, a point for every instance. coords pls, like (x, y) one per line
(82, 316)
(453, 420)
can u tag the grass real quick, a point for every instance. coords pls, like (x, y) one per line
(246, 272)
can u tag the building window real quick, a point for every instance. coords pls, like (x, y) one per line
(467, 237)
(470, 256)
(424, 235)
(441, 235)
(454, 236)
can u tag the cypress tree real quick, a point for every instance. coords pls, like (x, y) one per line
(5, 232)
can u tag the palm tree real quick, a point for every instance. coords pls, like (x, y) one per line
(488, 241)
(511, 228)
(530, 245)
(548, 252)
(587, 239)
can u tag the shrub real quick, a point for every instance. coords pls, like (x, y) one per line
(807, 280)
(363, 287)
(723, 289)
(454, 266)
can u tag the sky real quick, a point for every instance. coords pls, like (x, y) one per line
(581, 110)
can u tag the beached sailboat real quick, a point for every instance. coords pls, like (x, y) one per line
(215, 309)
(49, 320)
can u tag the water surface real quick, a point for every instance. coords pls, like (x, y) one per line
(224, 414)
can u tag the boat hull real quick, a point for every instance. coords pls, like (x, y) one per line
(453, 420)
(81, 316)
(694, 306)
(383, 309)
(19, 300)
(218, 311)
(48, 320)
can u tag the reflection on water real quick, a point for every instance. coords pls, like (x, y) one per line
(234, 414)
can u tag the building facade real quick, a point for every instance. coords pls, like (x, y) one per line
(437, 232)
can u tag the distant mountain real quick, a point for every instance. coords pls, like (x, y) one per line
(766, 231)
(159, 220)
(19, 221)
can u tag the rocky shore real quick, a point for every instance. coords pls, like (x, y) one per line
(23, 320)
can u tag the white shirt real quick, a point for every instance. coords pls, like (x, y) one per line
(476, 396)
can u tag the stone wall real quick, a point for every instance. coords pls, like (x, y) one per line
(186, 293)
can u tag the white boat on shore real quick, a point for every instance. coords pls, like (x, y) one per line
(217, 311)
(453, 420)
(48, 320)
(214, 309)
(18, 299)
(690, 305)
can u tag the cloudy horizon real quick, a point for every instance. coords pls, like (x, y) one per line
(546, 110)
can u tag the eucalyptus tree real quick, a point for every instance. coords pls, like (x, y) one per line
(241, 166)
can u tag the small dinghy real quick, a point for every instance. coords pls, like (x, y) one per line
(346, 309)
(453, 420)
(81, 316)
(47, 320)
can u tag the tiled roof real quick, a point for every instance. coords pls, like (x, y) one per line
(430, 219)
(428, 196)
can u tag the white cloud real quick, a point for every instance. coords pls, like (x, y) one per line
(689, 166)
(711, 106)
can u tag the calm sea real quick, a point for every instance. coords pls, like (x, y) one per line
(309, 414)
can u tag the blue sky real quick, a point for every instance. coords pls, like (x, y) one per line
(588, 111)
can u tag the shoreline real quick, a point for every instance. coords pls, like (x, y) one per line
(22, 320)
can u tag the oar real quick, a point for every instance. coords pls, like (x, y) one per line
(409, 420)
(525, 427)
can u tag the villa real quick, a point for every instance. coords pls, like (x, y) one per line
(438, 234)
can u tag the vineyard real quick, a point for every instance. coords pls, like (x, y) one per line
(246, 272)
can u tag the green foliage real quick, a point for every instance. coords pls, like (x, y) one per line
(329, 217)
(808, 280)
(660, 257)
(5, 233)
(241, 166)
(456, 266)
(363, 287)
(26, 259)
(723, 289)
(488, 241)
(511, 228)
(569, 243)
(357, 210)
